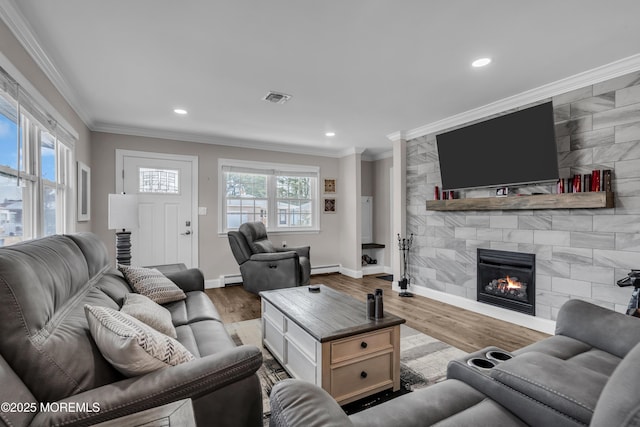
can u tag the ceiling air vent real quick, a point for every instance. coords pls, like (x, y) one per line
(277, 98)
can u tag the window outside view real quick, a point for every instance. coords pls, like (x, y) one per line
(11, 227)
(250, 197)
(159, 181)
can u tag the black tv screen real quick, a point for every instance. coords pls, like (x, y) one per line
(516, 148)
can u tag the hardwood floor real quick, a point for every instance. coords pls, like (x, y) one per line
(461, 328)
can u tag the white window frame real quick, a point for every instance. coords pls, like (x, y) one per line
(31, 176)
(272, 170)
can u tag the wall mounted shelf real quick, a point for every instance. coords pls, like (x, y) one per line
(590, 200)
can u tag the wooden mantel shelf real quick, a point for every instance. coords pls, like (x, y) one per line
(593, 200)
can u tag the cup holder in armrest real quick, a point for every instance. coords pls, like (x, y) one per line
(498, 355)
(480, 363)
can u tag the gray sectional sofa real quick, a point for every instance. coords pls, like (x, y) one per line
(586, 374)
(47, 353)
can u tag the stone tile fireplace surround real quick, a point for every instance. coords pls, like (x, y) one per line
(579, 252)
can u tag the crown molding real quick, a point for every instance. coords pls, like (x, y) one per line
(19, 26)
(351, 150)
(397, 136)
(577, 81)
(214, 140)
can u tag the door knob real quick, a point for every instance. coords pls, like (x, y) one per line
(188, 232)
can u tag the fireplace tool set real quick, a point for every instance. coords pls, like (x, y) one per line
(404, 245)
(632, 279)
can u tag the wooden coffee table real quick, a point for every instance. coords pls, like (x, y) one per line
(325, 338)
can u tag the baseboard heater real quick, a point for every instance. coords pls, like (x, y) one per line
(229, 279)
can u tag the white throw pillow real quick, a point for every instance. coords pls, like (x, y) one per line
(152, 284)
(150, 313)
(132, 347)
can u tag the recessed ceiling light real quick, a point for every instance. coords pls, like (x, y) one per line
(481, 62)
(330, 134)
(180, 111)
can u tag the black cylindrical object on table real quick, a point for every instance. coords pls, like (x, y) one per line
(379, 308)
(371, 306)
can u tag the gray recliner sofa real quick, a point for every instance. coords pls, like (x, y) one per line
(47, 354)
(586, 374)
(263, 266)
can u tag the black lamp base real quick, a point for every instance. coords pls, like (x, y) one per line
(123, 247)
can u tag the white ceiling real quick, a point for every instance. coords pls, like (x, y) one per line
(361, 68)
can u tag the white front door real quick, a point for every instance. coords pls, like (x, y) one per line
(168, 221)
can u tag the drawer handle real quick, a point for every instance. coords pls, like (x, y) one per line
(273, 266)
(363, 344)
(363, 374)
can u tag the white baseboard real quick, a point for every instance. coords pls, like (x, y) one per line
(213, 283)
(543, 325)
(373, 269)
(228, 279)
(323, 269)
(356, 274)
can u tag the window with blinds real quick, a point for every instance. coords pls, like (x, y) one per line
(282, 197)
(35, 168)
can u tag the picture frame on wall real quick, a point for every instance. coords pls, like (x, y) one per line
(329, 186)
(330, 205)
(84, 192)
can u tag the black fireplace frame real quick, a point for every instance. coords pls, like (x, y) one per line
(511, 261)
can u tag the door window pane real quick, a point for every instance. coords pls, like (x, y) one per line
(159, 181)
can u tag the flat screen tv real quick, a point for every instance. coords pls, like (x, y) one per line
(516, 148)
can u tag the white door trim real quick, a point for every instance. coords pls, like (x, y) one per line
(121, 154)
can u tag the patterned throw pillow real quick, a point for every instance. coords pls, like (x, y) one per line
(132, 347)
(152, 284)
(150, 313)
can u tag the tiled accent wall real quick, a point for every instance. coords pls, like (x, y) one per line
(580, 253)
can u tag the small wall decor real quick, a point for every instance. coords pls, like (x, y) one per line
(84, 192)
(330, 205)
(329, 185)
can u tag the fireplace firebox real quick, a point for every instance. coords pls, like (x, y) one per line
(507, 279)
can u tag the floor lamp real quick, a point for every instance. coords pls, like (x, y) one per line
(123, 216)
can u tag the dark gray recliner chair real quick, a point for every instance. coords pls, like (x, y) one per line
(265, 267)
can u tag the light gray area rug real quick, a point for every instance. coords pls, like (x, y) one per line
(423, 361)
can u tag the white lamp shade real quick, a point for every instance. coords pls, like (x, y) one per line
(123, 212)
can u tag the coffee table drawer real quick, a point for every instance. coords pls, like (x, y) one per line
(361, 345)
(350, 380)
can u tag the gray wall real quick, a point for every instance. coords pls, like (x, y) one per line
(579, 252)
(215, 255)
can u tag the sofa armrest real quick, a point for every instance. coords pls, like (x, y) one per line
(613, 332)
(302, 251)
(188, 280)
(188, 380)
(297, 403)
(554, 383)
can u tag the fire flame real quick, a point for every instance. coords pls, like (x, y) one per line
(512, 284)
